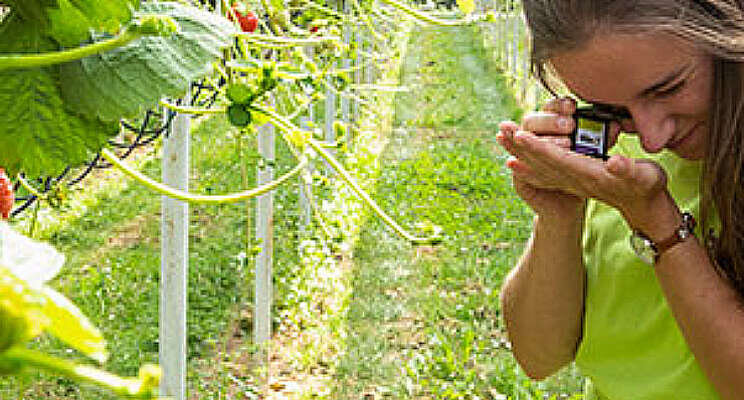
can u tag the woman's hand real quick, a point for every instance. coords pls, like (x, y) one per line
(552, 179)
(553, 124)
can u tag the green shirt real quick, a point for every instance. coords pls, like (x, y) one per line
(632, 348)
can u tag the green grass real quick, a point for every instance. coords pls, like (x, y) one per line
(425, 322)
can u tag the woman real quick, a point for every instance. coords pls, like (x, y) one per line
(673, 330)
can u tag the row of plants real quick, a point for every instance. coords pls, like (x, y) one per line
(92, 64)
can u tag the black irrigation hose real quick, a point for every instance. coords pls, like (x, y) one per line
(145, 135)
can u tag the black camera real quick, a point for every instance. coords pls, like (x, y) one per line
(592, 129)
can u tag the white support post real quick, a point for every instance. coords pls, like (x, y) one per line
(305, 188)
(345, 106)
(505, 38)
(515, 48)
(358, 72)
(525, 71)
(264, 234)
(174, 261)
(369, 71)
(310, 53)
(330, 116)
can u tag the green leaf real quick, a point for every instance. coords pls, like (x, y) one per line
(73, 20)
(126, 81)
(20, 316)
(20, 35)
(69, 22)
(68, 324)
(33, 11)
(37, 135)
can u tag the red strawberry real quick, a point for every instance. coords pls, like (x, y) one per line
(7, 197)
(248, 21)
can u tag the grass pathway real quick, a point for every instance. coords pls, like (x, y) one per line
(424, 321)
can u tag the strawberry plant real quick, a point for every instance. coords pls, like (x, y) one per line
(84, 97)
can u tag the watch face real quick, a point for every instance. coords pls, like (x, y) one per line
(643, 247)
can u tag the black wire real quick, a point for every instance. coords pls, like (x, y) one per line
(145, 135)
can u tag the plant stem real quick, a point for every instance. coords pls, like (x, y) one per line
(197, 198)
(256, 37)
(288, 127)
(127, 387)
(423, 16)
(11, 61)
(191, 110)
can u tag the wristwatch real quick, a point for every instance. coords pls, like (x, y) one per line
(649, 252)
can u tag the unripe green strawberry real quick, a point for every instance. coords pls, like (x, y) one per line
(156, 25)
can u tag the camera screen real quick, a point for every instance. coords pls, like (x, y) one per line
(590, 137)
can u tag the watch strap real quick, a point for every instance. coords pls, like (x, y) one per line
(685, 230)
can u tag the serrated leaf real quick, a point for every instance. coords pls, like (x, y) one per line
(33, 11)
(72, 21)
(37, 135)
(135, 77)
(466, 6)
(19, 35)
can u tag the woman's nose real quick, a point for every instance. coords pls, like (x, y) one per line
(654, 126)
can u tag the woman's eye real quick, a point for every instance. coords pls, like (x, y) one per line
(670, 90)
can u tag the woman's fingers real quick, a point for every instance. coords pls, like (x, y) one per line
(562, 105)
(508, 128)
(556, 117)
(646, 174)
(557, 166)
(543, 122)
(649, 174)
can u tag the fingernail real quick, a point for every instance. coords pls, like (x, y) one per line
(564, 123)
(520, 137)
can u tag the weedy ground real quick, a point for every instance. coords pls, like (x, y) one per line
(422, 322)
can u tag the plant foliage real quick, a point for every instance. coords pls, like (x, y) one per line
(37, 134)
(125, 81)
(69, 22)
(57, 116)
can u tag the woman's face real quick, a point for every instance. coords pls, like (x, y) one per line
(665, 83)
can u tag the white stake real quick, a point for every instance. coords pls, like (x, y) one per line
(174, 261)
(264, 234)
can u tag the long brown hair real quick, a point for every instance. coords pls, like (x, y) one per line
(714, 25)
